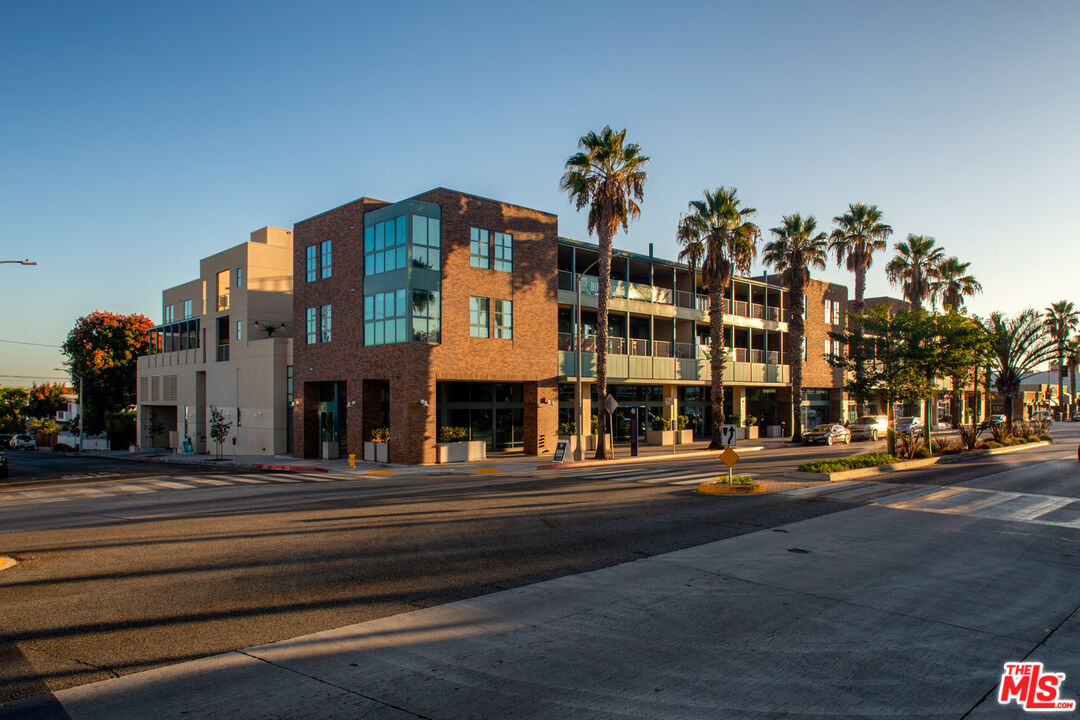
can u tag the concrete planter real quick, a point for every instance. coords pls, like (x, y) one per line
(751, 432)
(591, 441)
(774, 431)
(660, 437)
(573, 442)
(376, 452)
(461, 451)
(330, 450)
(684, 437)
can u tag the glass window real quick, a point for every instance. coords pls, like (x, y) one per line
(239, 277)
(326, 258)
(419, 231)
(312, 326)
(504, 252)
(385, 316)
(425, 312)
(369, 239)
(312, 263)
(828, 312)
(187, 309)
(239, 330)
(478, 317)
(168, 314)
(324, 323)
(504, 319)
(479, 249)
(425, 242)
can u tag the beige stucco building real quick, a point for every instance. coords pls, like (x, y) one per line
(225, 342)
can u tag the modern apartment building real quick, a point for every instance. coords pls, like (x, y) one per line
(224, 342)
(448, 309)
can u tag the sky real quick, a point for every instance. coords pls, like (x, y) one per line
(137, 138)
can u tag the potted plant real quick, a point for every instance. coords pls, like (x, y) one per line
(661, 432)
(751, 427)
(682, 435)
(591, 439)
(568, 431)
(377, 449)
(454, 446)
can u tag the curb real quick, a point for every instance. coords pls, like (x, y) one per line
(6, 562)
(908, 464)
(650, 458)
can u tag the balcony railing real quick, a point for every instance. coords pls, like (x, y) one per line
(222, 353)
(638, 346)
(661, 348)
(223, 302)
(685, 350)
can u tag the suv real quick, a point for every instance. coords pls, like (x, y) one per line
(869, 426)
(5, 441)
(23, 442)
(909, 425)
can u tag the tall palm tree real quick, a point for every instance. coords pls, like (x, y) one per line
(1072, 361)
(716, 231)
(796, 249)
(1017, 346)
(914, 267)
(952, 283)
(1061, 321)
(859, 233)
(607, 174)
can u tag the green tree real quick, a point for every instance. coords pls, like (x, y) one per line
(219, 428)
(1072, 361)
(1017, 346)
(102, 350)
(155, 428)
(859, 233)
(1061, 321)
(717, 231)
(952, 283)
(45, 400)
(608, 176)
(914, 268)
(797, 247)
(12, 402)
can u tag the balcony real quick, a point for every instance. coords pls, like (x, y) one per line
(223, 302)
(222, 353)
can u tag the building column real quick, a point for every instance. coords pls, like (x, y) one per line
(671, 411)
(306, 421)
(541, 416)
(586, 407)
(412, 419)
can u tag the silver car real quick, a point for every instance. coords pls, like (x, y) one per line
(869, 426)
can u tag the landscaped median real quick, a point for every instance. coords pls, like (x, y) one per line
(739, 485)
(860, 466)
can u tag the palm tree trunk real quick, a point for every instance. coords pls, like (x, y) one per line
(798, 328)
(860, 290)
(1061, 382)
(717, 360)
(602, 339)
(1072, 386)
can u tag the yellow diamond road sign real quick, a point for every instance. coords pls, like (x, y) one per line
(729, 457)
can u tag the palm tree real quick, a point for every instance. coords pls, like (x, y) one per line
(1072, 361)
(952, 283)
(858, 235)
(796, 249)
(607, 174)
(716, 232)
(1061, 320)
(1017, 346)
(914, 267)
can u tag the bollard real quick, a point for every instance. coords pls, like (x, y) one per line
(352, 461)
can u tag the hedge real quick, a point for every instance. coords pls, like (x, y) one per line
(847, 463)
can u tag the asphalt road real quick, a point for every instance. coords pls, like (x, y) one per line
(114, 583)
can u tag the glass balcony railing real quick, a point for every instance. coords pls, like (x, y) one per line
(665, 349)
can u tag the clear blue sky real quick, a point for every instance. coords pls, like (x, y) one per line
(136, 138)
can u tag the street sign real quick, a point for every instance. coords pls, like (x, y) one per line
(727, 435)
(729, 457)
(612, 404)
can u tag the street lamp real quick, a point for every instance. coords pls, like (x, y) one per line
(19, 262)
(577, 336)
(82, 410)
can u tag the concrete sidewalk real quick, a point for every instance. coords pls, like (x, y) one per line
(909, 615)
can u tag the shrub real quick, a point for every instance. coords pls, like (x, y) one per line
(751, 421)
(568, 428)
(681, 422)
(450, 434)
(908, 445)
(921, 454)
(380, 434)
(662, 423)
(969, 435)
(990, 445)
(1000, 432)
(832, 465)
(742, 480)
(61, 447)
(1046, 437)
(941, 445)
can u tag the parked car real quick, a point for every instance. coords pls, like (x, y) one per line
(909, 425)
(3, 465)
(869, 426)
(1076, 417)
(23, 442)
(992, 421)
(1042, 416)
(5, 441)
(827, 435)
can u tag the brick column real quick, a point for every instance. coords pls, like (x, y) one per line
(412, 423)
(540, 418)
(306, 421)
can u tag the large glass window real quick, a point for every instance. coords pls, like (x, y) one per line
(478, 317)
(312, 263)
(479, 248)
(384, 246)
(425, 242)
(425, 311)
(385, 318)
(504, 319)
(239, 330)
(187, 309)
(504, 252)
(324, 323)
(312, 321)
(327, 258)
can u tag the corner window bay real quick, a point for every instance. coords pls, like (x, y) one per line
(402, 274)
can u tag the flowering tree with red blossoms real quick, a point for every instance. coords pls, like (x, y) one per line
(102, 349)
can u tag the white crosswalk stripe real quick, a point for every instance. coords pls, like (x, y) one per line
(954, 500)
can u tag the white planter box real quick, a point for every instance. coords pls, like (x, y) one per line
(660, 437)
(773, 431)
(376, 452)
(752, 432)
(330, 450)
(462, 451)
(573, 442)
(740, 433)
(684, 437)
(591, 441)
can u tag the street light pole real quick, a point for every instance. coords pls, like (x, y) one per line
(577, 336)
(19, 262)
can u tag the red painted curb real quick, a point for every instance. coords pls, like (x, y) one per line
(291, 468)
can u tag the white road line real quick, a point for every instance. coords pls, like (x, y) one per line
(243, 479)
(859, 492)
(169, 484)
(822, 489)
(209, 481)
(915, 502)
(278, 477)
(136, 489)
(1047, 506)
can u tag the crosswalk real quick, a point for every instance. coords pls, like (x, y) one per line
(167, 483)
(954, 500)
(654, 476)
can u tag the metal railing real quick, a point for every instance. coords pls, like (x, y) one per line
(757, 311)
(639, 346)
(223, 302)
(741, 308)
(741, 354)
(661, 348)
(685, 350)
(566, 341)
(222, 353)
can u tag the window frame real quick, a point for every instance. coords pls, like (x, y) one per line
(311, 255)
(503, 242)
(502, 309)
(479, 309)
(326, 259)
(479, 248)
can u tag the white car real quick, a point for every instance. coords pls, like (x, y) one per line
(23, 442)
(869, 426)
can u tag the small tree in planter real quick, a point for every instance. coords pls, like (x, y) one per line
(377, 449)
(155, 427)
(682, 435)
(219, 428)
(751, 427)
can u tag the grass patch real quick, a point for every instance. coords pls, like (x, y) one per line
(849, 463)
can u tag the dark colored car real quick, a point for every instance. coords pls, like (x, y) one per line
(5, 441)
(3, 465)
(827, 435)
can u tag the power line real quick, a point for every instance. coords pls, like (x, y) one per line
(19, 342)
(33, 377)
